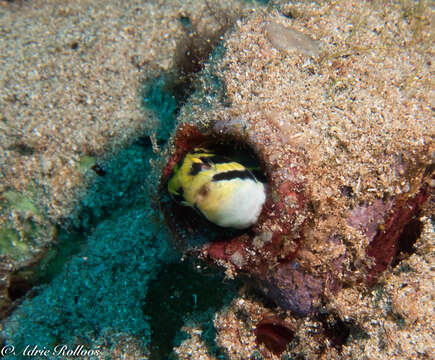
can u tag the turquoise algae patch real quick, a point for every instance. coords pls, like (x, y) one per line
(159, 95)
(100, 293)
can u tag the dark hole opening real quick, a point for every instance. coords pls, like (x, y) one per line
(19, 288)
(337, 330)
(187, 223)
(23, 149)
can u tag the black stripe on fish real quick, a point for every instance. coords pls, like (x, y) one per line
(214, 159)
(195, 169)
(233, 174)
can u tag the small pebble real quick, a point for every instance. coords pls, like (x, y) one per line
(284, 38)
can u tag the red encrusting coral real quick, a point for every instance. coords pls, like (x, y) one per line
(223, 250)
(384, 247)
(275, 333)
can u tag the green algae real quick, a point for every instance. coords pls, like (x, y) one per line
(11, 244)
(20, 203)
(18, 244)
(86, 162)
(19, 237)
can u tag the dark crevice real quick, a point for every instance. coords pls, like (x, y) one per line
(18, 288)
(166, 93)
(346, 191)
(23, 149)
(257, 294)
(405, 244)
(339, 331)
